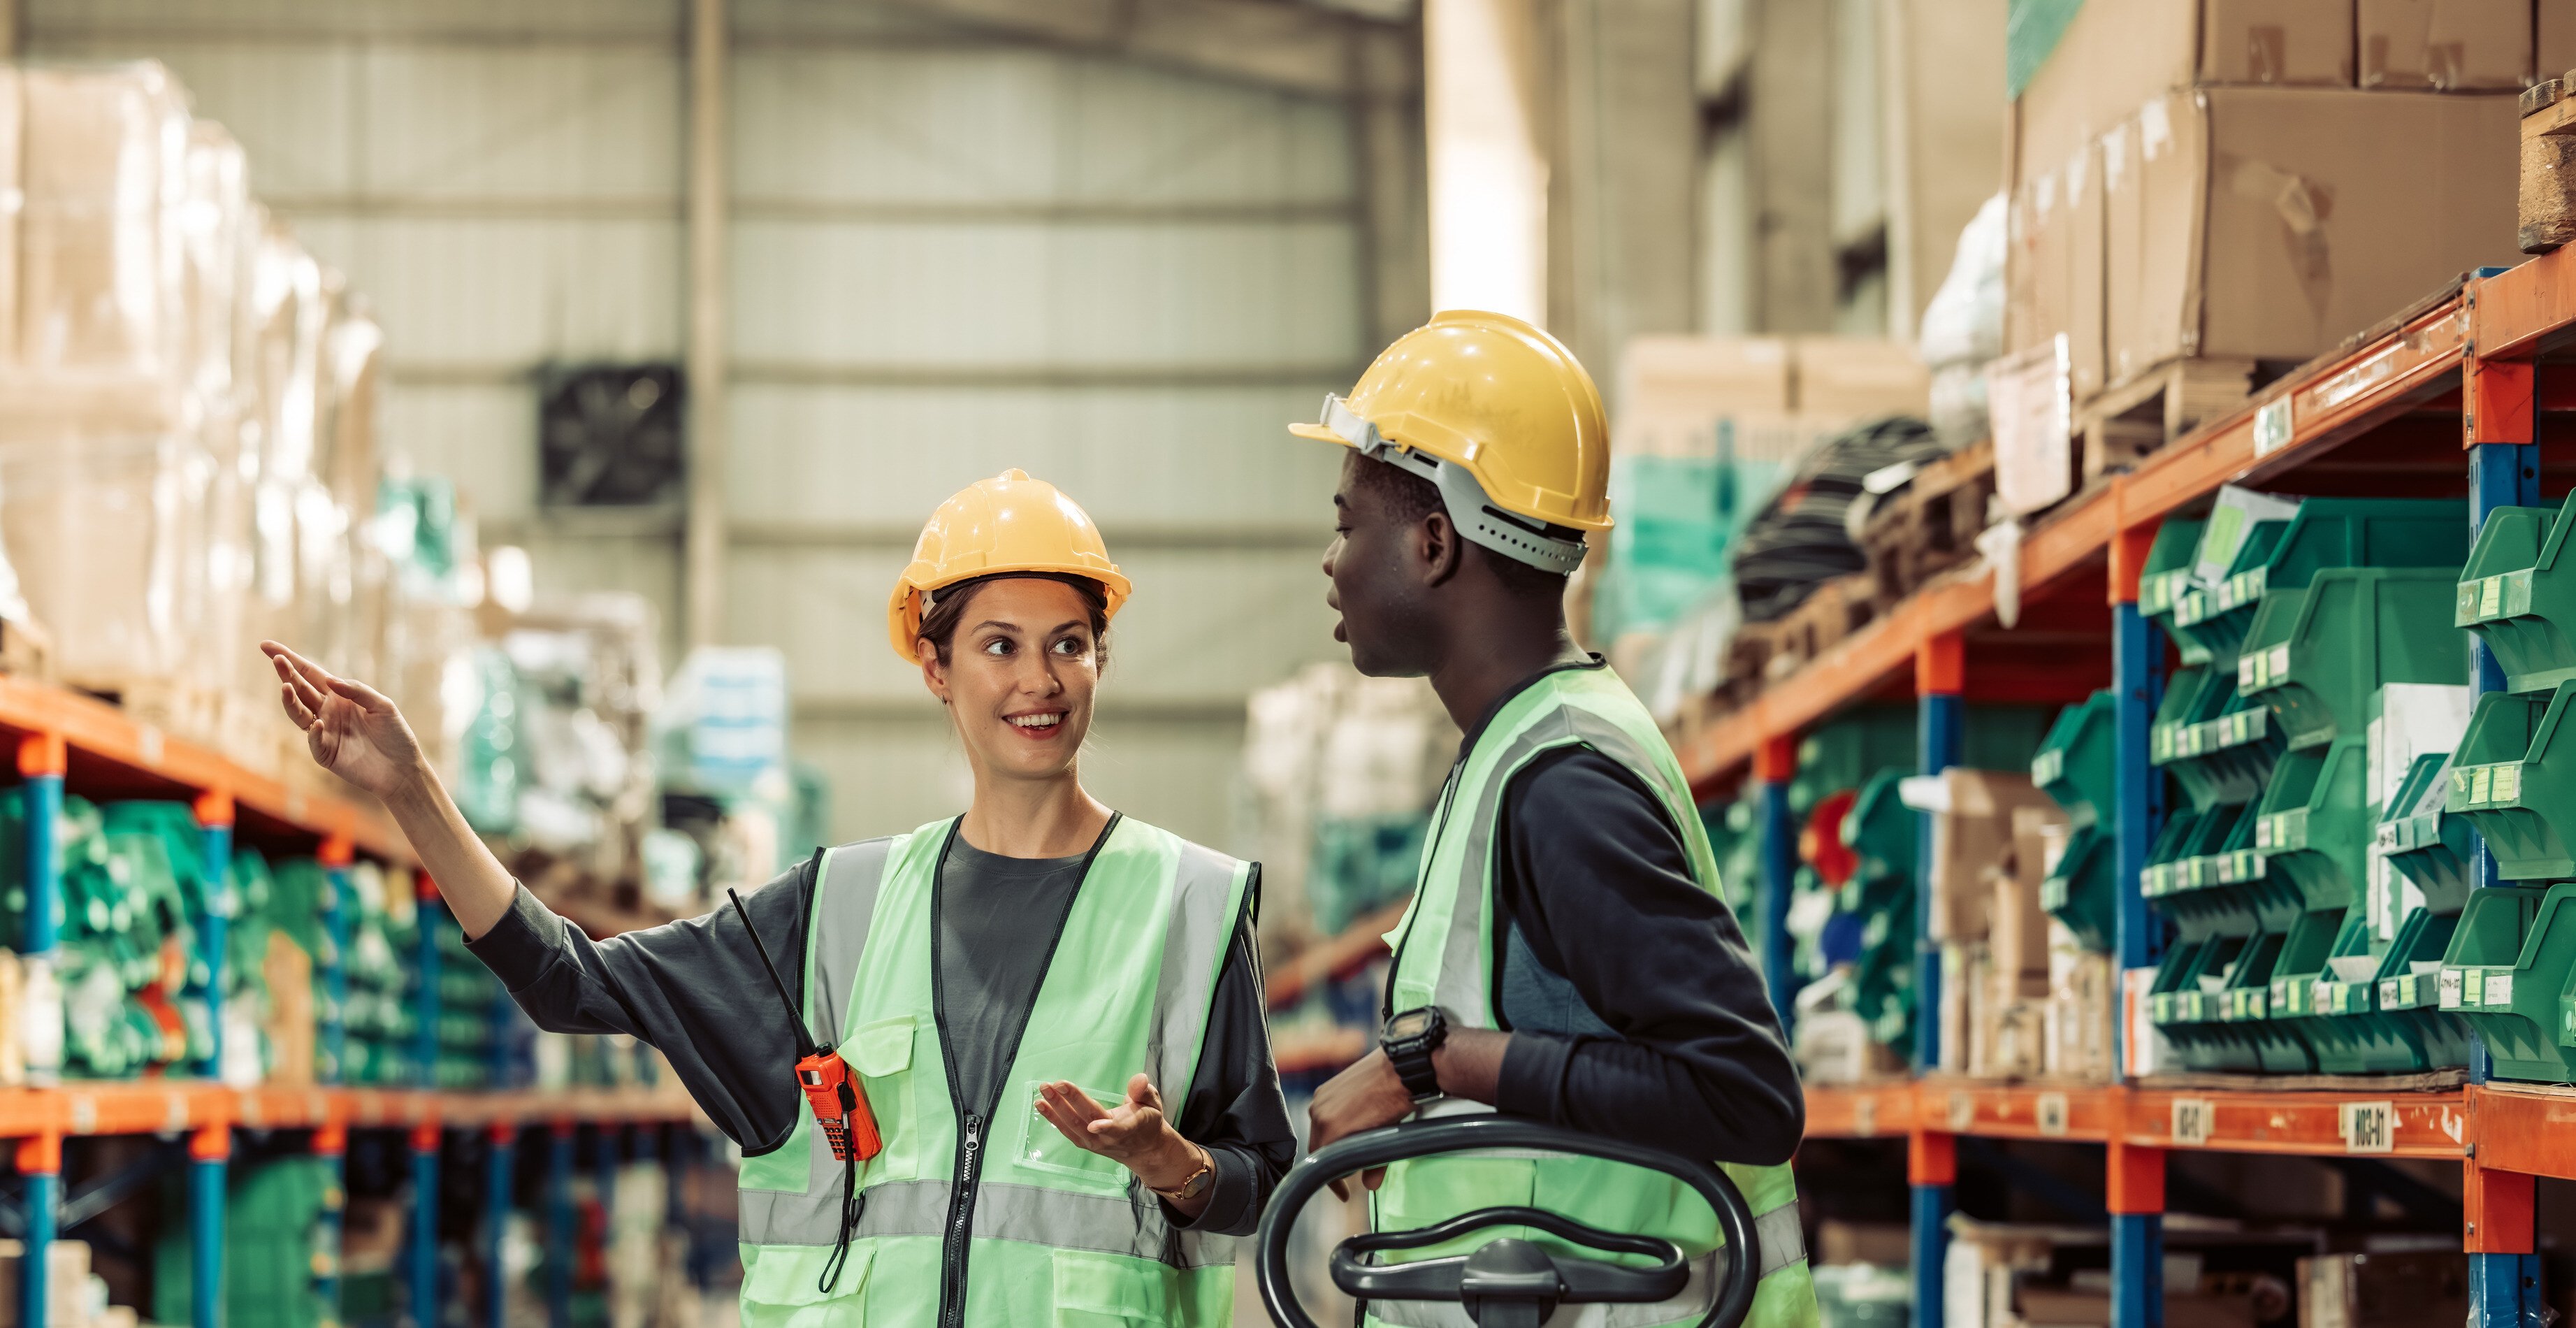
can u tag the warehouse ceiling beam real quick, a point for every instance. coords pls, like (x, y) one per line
(1302, 48)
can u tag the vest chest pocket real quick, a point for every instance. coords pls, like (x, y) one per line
(1042, 1147)
(881, 1055)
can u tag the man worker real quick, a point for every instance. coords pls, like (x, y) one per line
(1567, 955)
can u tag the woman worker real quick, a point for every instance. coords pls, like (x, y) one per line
(1054, 1011)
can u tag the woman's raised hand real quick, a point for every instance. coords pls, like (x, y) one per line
(1134, 1134)
(352, 730)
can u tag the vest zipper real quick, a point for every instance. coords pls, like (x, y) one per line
(961, 1217)
(970, 1123)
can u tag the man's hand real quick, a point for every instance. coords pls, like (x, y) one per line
(1364, 1097)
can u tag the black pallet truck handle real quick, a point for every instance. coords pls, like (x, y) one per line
(1506, 1280)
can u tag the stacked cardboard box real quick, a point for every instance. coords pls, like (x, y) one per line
(1990, 831)
(187, 433)
(2248, 182)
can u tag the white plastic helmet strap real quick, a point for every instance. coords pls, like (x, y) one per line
(1470, 508)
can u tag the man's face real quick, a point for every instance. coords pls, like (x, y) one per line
(1375, 561)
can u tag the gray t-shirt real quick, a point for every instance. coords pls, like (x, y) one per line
(998, 923)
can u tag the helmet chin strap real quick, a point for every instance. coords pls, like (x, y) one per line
(1470, 509)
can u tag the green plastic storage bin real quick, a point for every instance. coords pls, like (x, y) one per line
(2325, 532)
(2218, 745)
(2514, 596)
(2075, 769)
(2507, 974)
(2315, 827)
(2168, 571)
(2514, 779)
(2423, 841)
(2316, 655)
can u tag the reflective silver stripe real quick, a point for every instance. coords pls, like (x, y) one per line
(1194, 942)
(845, 902)
(1461, 988)
(1033, 1215)
(1777, 1232)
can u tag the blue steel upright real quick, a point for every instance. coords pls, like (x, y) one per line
(2504, 1289)
(500, 1167)
(423, 1253)
(208, 1150)
(1779, 875)
(40, 1159)
(560, 1237)
(2137, 676)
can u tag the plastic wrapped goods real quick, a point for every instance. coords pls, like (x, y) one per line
(105, 176)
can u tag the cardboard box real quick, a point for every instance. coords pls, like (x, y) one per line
(1887, 1244)
(2080, 1010)
(2553, 38)
(2017, 929)
(2383, 1290)
(2053, 263)
(2444, 45)
(2050, 1307)
(2270, 224)
(67, 1266)
(2118, 53)
(1971, 834)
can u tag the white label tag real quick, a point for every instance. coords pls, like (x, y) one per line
(2052, 1114)
(2191, 1120)
(1963, 1112)
(2499, 989)
(2450, 989)
(2369, 1127)
(1865, 1116)
(2271, 423)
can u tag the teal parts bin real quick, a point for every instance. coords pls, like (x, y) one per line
(2514, 779)
(2273, 1046)
(2218, 745)
(2167, 574)
(2315, 828)
(2382, 1015)
(2325, 532)
(2507, 974)
(2075, 769)
(2316, 655)
(2426, 844)
(2519, 599)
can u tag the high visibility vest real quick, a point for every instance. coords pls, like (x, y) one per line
(1444, 956)
(975, 1223)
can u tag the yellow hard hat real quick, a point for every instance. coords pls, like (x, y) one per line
(1009, 523)
(1501, 416)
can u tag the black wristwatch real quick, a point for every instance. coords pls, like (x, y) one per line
(1410, 1038)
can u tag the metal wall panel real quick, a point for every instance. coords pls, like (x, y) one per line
(996, 124)
(882, 457)
(967, 294)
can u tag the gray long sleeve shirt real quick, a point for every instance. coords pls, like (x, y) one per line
(696, 991)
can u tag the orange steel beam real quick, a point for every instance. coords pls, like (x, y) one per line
(94, 728)
(2528, 309)
(2530, 1130)
(163, 1106)
(1847, 1112)
(2328, 403)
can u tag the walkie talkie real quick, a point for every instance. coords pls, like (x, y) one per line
(840, 1104)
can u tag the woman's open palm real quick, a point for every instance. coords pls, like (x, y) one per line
(352, 730)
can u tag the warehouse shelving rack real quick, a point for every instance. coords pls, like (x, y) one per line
(68, 741)
(2453, 388)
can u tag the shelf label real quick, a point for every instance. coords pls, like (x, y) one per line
(2052, 1114)
(2272, 426)
(1865, 1116)
(2451, 987)
(84, 1114)
(2473, 986)
(2368, 1127)
(1963, 1112)
(2490, 596)
(2191, 1120)
(2507, 783)
(2499, 989)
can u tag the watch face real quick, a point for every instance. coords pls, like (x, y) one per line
(1409, 1024)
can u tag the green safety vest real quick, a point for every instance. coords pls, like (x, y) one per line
(1444, 952)
(1002, 1222)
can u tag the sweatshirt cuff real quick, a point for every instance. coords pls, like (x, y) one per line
(522, 944)
(1532, 1082)
(1232, 1197)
